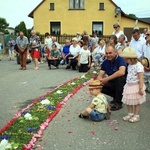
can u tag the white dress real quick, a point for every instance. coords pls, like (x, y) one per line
(131, 88)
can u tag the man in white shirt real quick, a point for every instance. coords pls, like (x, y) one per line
(138, 43)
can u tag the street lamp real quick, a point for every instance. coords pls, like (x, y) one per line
(117, 11)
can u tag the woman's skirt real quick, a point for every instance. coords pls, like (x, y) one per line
(131, 94)
(35, 54)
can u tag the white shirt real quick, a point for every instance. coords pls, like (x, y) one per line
(101, 50)
(139, 46)
(48, 42)
(133, 70)
(74, 50)
(147, 55)
(118, 34)
(84, 55)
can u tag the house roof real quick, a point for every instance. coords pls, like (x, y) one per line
(32, 12)
(144, 20)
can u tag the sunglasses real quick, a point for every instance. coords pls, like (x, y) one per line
(115, 27)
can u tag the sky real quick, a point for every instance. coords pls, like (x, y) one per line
(15, 11)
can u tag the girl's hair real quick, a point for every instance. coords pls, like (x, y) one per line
(46, 34)
(54, 45)
(134, 60)
(114, 37)
(102, 41)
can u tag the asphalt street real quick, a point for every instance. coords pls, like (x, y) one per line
(67, 131)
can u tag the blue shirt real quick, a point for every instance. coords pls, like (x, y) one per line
(111, 67)
(66, 49)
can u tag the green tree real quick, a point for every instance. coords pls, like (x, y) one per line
(6, 32)
(21, 27)
(3, 24)
(132, 16)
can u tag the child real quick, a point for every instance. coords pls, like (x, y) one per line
(99, 109)
(134, 90)
(84, 60)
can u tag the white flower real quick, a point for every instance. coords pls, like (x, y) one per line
(94, 72)
(59, 92)
(8, 146)
(72, 83)
(45, 102)
(28, 116)
(83, 76)
(4, 144)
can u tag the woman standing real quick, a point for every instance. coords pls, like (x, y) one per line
(35, 48)
(11, 45)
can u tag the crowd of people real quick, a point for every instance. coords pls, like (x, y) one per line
(124, 66)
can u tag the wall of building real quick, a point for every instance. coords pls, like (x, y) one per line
(127, 22)
(73, 21)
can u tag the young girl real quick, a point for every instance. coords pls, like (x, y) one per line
(99, 109)
(84, 59)
(134, 90)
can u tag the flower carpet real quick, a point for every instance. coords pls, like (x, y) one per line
(23, 130)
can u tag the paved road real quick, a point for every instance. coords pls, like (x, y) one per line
(67, 131)
(18, 88)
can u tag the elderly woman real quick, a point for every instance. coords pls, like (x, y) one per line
(35, 48)
(117, 31)
(72, 57)
(54, 58)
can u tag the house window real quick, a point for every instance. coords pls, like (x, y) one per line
(101, 6)
(97, 27)
(76, 4)
(52, 7)
(55, 28)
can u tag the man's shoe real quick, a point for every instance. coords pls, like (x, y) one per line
(24, 68)
(68, 67)
(115, 107)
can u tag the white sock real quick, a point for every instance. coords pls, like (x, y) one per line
(130, 114)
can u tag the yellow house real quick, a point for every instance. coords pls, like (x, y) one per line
(71, 16)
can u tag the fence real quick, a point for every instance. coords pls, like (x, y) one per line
(61, 38)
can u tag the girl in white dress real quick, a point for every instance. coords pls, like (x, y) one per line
(134, 90)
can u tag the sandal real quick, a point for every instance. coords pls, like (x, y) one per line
(83, 116)
(36, 68)
(126, 118)
(134, 119)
